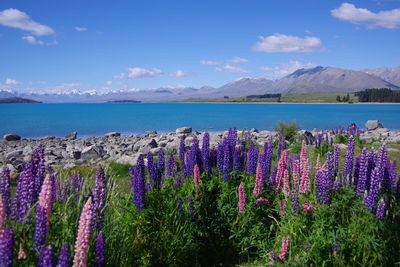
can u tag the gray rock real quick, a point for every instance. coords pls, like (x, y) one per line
(124, 159)
(254, 130)
(71, 136)
(49, 137)
(373, 125)
(14, 154)
(11, 137)
(76, 154)
(113, 134)
(92, 152)
(151, 132)
(184, 130)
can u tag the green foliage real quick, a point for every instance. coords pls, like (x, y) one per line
(287, 130)
(378, 95)
(341, 138)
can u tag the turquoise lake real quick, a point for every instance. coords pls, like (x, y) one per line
(34, 121)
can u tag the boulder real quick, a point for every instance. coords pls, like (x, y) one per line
(373, 125)
(92, 152)
(309, 138)
(76, 154)
(113, 134)
(11, 137)
(151, 132)
(71, 136)
(254, 130)
(184, 130)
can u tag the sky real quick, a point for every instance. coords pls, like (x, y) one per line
(60, 46)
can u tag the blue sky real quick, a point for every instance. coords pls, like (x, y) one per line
(49, 46)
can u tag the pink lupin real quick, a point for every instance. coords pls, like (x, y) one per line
(258, 182)
(303, 156)
(242, 198)
(282, 166)
(196, 177)
(21, 253)
(305, 179)
(285, 248)
(82, 239)
(286, 184)
(282, 207)
(45, 196)
(296, 173)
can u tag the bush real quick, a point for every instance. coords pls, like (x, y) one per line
(287, 130)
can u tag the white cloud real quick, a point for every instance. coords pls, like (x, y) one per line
(67, 86)
(231, 69)
(17, 19)
(179, 74)
(10, 81)
(286, 43)
(80, 29)
(109, 82)
(389, 19)
(138, 73)
(284, 69)
(32, 40)
(210, 62)
(237, 60)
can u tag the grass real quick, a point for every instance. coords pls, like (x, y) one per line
(291, 98)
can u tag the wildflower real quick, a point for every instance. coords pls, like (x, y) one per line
(5, 189)
(282, 207)
(285, 248)
(308, 208)
(242, 198)
(381, 209)
(295, 203)
(252, 158)
(286, 184)
(63, 258)
(99, 198)
(100, 250)
(323, 187)
(282, 166)
(21, 253)
(262, 201)
(138, 184)
(171, 166)
(196, 177)
(296, 173)
(205, 152)
(83, 236)
(336, 158)
(46, 257)
(258, 182)
(305, 178)
(348, 163)
(6, 247)
(43, 212)
(2, 216)
(372, 195)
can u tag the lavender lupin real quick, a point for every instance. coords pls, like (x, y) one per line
(381, 209)
(100, 250)
(362, 174)
(226, 166)
(99, 198)
(138, 184)
(41, 229)
(182, 149)
(6, 247)
(323, 187)
(5, 189)
(252, 158)
(63, 258)
(295, 203)
(205, 153)
(371, 199)
(348, 163)
(46, 257)
(171, 166)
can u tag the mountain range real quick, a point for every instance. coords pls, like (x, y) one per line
(303, 81)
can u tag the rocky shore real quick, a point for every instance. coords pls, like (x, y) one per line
(71, 151)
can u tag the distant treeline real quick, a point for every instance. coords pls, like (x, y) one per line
(378, 95)
(18, 100)
(265, 96)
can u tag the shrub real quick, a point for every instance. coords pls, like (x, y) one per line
(287, 130)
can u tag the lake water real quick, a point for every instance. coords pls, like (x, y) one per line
(34, 121)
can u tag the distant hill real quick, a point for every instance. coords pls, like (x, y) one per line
(18, 100)
(391, 75)
(124, 101)
(316, 80)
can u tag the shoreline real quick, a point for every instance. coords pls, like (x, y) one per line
(70, 151)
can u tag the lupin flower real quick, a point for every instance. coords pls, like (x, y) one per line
(99, 198)
(258, 181)
(282, 207)
(282, 166)
(46, 257)
(303, 157)
(220, 158)
(6, 248)
(22, 253)
(171, 166)
(323, 187)
(381, 210)
(205, 153)
(371, 198)
(281, 147)
(336, 158)
(227, 162)
(318, 166)
(182, 149)
(63, 258)
(252, 158)
(237, 160)
(262, 201)
(100, 250)
(266, 161)
(308, 208)
(5, 189)
(242, 198)
(138, 184)
(285, 248)
(296, 173)
(348, 162)
(286, 184)
(295, 203)
(392, 176)
(2, 216)
(362, 174)
(196, 178)
(305, 178)
(161, 163)
(83, 236)
(43, 213)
